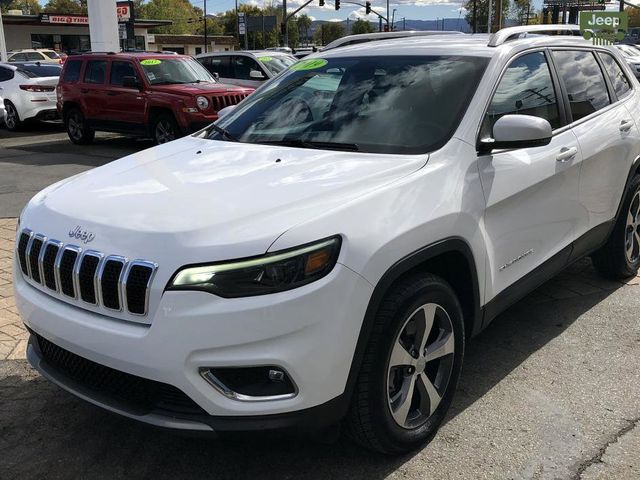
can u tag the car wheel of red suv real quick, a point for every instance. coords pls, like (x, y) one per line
(165, 129)
(77, 129)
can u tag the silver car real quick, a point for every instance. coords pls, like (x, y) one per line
(246, 68)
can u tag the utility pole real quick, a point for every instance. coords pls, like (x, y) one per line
(237, 25)
(388, 15)
(393, 22)
(622, 5)
(489, 17)
(205, 27)
(286, 26)
(474, 20)
(404, 23)
(3, 45)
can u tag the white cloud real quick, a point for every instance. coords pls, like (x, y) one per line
(360, 13)
(335, 19)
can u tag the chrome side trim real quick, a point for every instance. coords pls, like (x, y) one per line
(211, 379)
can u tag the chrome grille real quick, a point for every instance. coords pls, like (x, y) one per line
(111, 281)
(222, 101)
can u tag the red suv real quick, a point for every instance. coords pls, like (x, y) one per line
(157, 95)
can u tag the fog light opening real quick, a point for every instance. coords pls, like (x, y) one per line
(251, 384)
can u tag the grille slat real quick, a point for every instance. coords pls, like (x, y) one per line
(111, 282)
(48, 264)
(134, 391)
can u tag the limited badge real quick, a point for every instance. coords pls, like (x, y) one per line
(310, 64)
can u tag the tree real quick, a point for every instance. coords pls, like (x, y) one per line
(361, 26)
(31, 7)
(634, 16)
(66, 6)
(523, 12)
(294, 34)
(483, 11)
(304, 23)
(328, 32)
(185, 17)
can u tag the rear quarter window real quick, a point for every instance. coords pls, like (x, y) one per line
(72, 71)
(619, 80)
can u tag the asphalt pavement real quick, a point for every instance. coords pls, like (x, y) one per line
(550, 390)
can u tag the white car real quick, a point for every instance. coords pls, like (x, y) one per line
(247, 68)
(324, 251)
(376, 36)
(631, 54)
(29, 92)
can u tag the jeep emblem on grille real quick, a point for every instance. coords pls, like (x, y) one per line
(81, 234)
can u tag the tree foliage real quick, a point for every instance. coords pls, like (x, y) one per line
(361, 26)
(185, 17)
(482, 12)
(328, 32)
(304, 24)
(31, 7)
(66, 6)
(634, 16)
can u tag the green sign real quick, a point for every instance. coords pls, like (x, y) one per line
(150, 61)
(604, 27)
(310, 64)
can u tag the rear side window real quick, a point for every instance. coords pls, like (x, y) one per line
(6, 74)
(242, 67)
(586, 88)
(119, 70)
(34, 56)
(95, 71)
(72, 70)
(619, 80)
(219, 65)
(525, 88)
(51, 54)
(18, 57)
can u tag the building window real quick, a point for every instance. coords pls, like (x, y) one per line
(198, 50)
(140, 42)
(41, 40)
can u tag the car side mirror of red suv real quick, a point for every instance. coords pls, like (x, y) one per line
(131, 82)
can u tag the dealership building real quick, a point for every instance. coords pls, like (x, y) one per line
(66, 33)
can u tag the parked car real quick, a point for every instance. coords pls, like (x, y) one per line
(248, 69)
(631, 54)
(324, 251)
(372, 37)
(42, 55)
(28, 90)
(147, 94)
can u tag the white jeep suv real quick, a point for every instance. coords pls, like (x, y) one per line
(324, 251)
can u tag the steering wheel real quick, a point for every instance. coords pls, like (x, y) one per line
(299, 110)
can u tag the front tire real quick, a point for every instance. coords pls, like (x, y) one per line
(165, 129)
(410, 368)
(619, 258)
(11, 118)
(77, 129)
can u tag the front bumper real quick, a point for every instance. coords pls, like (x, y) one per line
(311, 332)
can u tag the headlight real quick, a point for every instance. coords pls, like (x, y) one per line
(274, 272)
(202, 103)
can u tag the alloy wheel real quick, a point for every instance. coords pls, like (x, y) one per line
(165, 132)
(632, 232)
(74, 126)
(420, 365)
(11, 117)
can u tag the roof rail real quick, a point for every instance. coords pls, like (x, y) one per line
(512, 33)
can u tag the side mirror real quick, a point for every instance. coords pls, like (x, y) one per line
(226, 110)
(130, 82)
(216, 75)
(517, 131)
(256, 75)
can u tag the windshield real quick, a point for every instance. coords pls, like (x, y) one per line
(276, 63)
(373, 104)
(51, 54)
(167, 70)
(33, 71)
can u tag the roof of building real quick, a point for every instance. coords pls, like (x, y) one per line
(45, 19)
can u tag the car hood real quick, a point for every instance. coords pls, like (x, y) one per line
(208, 196)
(200, 88)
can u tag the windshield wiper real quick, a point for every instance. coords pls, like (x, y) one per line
(223, 132)
(313, 144)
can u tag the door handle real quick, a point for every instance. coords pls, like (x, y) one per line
(84, 90)
(625, 125)
(566, 154)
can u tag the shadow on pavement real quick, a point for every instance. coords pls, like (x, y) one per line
(45, 431)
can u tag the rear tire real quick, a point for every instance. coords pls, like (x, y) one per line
(408, 377)
(165, 129)
(77, 129)
(619, 258)
(11, 118)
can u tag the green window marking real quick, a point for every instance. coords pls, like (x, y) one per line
(310, 64)
(151, 61)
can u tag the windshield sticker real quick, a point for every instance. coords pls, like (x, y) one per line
(151, 76)
(310, 64)
(150, 61)
(265, 59)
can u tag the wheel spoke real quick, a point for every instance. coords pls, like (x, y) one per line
(634, 209)
(635, 244)
(441, 347)
(424, 326)
(429, 390)
(401, 404)
(400, 356)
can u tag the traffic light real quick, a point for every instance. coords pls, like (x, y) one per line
(367, 8)
(283, 28)
(322, 3)
(337, 4)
